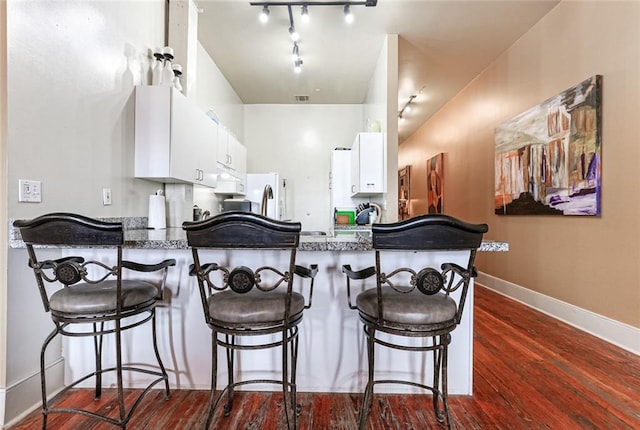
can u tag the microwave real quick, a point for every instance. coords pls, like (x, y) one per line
(239, 205)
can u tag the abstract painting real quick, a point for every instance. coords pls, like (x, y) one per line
(404, 192)
(435, 184)
(547, 159)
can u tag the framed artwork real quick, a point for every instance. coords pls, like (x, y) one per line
(404, 192)
(435, 184)
(547, 159)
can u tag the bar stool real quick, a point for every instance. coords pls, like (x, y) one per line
(421, 301)
(253, 251)
(89, 302)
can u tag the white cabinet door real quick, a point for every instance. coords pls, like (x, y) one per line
(223, 146)
(174, 140)
(152, 133)
(232, 155)
(238, 154)
(341, 179)
(368, 165)
(183, 142)
(194, 139)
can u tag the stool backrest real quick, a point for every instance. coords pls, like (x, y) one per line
(67, 229)
(62, 230)
(242, 231)
(236, 229)
(428, 232)
(437, 233)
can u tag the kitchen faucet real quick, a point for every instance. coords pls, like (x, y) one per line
(267, 193)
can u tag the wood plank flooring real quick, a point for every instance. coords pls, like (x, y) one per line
(530, 372)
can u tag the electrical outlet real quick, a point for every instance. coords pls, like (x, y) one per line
(106, 196)
(29, 191)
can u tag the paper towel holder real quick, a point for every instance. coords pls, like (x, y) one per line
(157, 211)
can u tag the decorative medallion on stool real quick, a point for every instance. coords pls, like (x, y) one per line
(429, 281)
(241, 279)
(69, 272)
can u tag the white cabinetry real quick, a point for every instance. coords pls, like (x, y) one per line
(368, 165)
(232, 187)
(232, 155)
(232, 164)
(341, 179)
(174, 140)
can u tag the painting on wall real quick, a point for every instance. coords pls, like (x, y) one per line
(435, 184)
(404, 192)
(547, 159)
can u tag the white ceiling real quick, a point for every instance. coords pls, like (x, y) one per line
(443, 45)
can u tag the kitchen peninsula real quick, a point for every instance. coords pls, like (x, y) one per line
(332, 355)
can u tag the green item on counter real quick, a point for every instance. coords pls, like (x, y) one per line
(351, 216)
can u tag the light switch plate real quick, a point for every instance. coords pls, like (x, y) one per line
(106, 196)
(29, 191)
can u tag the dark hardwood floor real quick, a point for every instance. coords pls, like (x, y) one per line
(530, 372)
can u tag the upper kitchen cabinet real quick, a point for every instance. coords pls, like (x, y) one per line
(368, 165)
(232, 155)
(174, 140)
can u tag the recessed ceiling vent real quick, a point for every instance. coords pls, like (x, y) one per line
(302, 98)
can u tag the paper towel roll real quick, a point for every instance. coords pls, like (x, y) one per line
(157, 212)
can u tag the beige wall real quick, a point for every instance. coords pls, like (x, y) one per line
(589, 262)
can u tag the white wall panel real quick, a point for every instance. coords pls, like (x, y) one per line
(71, 71)
(296, 141)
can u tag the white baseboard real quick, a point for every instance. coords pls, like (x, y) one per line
(612, 331)
(23, 397)
(2, 400)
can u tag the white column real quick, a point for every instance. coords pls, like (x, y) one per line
(183, 38)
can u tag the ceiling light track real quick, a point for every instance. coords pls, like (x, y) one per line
(407, 107)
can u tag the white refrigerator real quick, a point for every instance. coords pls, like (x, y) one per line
(256, 185)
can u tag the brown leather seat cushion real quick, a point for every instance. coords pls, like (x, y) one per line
(409, 308)
(99, 299)
(253, 308)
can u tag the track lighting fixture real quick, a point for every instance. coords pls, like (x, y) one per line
(264, 15)
(406, 108)
(304, 16)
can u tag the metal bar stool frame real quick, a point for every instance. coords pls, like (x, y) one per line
(237, 230)
(381, 309)
(67, 230)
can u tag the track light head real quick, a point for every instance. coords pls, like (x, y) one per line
(297, 66)
(294, 34)
(264, 15)
(295, 53)
(348, 16)
(304, 13)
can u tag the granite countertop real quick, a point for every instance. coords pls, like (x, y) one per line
(338, 240)
(136, 236)
(175, 238)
